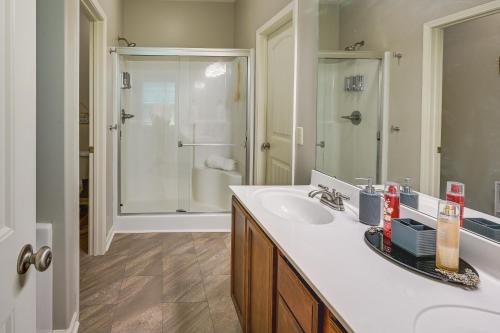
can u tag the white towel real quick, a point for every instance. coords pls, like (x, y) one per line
(219, 162)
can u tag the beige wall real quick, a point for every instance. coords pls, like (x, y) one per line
(307, 69)
(114, 14)
(50, 146)
(250, 15)
(329, 16)
(397, 26)
(471, 110)
(179, 24)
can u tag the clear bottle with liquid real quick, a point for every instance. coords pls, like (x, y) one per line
(448, 236)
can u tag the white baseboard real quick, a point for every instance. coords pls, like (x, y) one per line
(73, 325)
(109, 238)
(220, 222)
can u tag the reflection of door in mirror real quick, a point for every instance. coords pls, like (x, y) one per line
(348, 118)
(470, 132)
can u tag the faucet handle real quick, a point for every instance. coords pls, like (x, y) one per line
(343, 196)
(323, 187)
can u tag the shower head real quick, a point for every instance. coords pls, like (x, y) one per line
(129, 44)
(355, 46)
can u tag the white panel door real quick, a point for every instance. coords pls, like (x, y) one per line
(279, 117)
(17, 162)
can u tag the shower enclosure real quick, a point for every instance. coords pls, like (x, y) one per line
(350, 115)
(183, 129)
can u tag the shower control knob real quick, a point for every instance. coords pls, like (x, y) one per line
(265, 146)
(41, 259)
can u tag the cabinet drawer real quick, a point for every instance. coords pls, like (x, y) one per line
(331, 324)
(299, 300)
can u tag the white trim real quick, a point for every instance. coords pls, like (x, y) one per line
(109, 238)
(97, 231)
(71, 154)
(385, 104)
(251, 117)
(350, 55)
(73, 325)
(165, 51)
(432, 76)
(287, 14)
(217, 222)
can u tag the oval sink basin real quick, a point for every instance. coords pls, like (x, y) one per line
(295, 206)
(457, 319)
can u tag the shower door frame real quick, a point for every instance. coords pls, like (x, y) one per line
(383, 105)
(185, 52)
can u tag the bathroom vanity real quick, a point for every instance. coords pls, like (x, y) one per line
(268, 293)
(299, 266)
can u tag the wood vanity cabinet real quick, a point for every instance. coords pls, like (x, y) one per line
(268, 294)
(238, 243)
(253, 258)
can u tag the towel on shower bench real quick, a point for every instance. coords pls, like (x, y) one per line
(219, 162)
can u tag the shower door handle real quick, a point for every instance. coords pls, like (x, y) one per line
(355, 117)
(126, 116)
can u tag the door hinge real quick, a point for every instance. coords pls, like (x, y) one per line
(91, 150)
(439, 149)
(378, 135)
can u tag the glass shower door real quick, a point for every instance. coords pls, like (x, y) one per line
(348, 118)
(212, 131)
(148, 133)
(186, 141)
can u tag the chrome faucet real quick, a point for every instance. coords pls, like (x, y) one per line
(333, 199)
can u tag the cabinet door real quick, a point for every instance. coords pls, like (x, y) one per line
(301, 302)
(261, 255)
(285, 322)
(238, 235)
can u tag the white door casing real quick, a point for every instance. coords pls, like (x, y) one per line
(288, 15)
(279, 111)
(17, 162)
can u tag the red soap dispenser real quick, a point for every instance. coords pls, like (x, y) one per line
(391, 206)
(455, 192)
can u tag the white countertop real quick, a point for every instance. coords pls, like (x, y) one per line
(368, 293)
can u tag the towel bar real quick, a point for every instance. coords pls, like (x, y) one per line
(180, 144)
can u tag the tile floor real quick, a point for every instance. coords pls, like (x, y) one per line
(175, 282)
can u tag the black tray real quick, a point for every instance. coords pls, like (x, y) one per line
(424, 265)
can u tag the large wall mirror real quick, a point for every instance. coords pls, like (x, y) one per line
(409, 91)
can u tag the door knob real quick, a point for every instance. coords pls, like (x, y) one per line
(41, 259)
(265, 146)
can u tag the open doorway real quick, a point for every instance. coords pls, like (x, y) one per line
(92, 128)
(85, 129)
